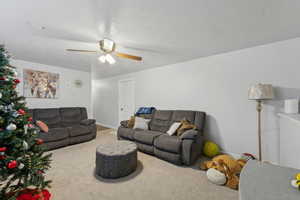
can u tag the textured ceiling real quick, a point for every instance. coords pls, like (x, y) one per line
(161, 31)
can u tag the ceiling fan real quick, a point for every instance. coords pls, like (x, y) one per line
(107, 47)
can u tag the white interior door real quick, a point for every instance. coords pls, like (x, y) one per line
(126, 99)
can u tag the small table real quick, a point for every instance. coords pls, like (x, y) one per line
(116, 160)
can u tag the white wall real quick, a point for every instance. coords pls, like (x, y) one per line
(69, 95)
(217, 85)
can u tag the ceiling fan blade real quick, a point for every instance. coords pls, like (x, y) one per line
(83, 51)
(124, 55)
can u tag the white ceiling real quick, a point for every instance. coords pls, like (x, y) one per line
(161, 31)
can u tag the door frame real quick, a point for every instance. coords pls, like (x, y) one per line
(119, 99)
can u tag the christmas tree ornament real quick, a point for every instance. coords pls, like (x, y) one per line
(39, 141)
(21, 166)
(11, 127)
(9, 107)
(25, 145)
(21, 112)
(25, 129)
(3, 149)
(16, 81)
(30, 119)
(15, 114)
(2, 157)
(12, 164)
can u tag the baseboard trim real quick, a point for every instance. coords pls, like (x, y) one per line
(106, 125)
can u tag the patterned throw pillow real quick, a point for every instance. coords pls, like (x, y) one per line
(130, 123)
(185, 125)
(42, 126)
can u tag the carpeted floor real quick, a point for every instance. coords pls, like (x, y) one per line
(73, 178)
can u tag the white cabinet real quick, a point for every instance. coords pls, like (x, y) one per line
(289, 138)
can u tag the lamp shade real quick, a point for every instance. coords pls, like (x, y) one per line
(261, 92)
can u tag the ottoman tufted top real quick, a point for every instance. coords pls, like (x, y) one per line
(117, 148)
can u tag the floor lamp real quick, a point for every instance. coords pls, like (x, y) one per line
(260, 92)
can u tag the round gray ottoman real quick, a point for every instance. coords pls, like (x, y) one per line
(116, 160)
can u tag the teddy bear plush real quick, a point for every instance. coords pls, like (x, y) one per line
(227, 165)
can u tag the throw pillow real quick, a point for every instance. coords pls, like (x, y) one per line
(130, 123)
(173, 128)
(141, 123)
(185, 125)
(42, 126)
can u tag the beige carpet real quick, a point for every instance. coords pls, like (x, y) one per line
(73, 178)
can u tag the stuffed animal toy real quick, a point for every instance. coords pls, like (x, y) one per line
(296, 182)
(228, 166)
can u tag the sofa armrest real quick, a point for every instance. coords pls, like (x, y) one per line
(190, 134)
(88, 122)
(124, 123)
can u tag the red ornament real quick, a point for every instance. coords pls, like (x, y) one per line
(39, 141)
(40, 172)
(34, 195)
(30, 119)
(2, 149)
(30, 126)
(12, 164)
(2, 157)
(2, 79)
(21, 112)
(17, 81)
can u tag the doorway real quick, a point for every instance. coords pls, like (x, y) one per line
(126, 99)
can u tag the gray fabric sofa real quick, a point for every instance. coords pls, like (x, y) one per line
(184, 149)
(67, 126)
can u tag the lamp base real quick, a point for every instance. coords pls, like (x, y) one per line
(259, 109)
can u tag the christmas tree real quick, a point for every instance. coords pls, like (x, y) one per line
(23, 162)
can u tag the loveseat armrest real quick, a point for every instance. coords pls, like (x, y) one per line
(190, 134)
(87, 122)
(124, 123)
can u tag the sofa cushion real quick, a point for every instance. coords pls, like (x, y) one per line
(161, 121)
(126, 133)
(168, 143)
(70, 116)
(146, 148)
(171, 157)
(146, 137)
(78, 130)
(83, 113)
(88, 122)
(54, 134)
(49, 116)
(179, 115)
(200, 120)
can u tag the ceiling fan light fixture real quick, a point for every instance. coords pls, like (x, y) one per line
(110, 59)
(102, 59)
(107, 45)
